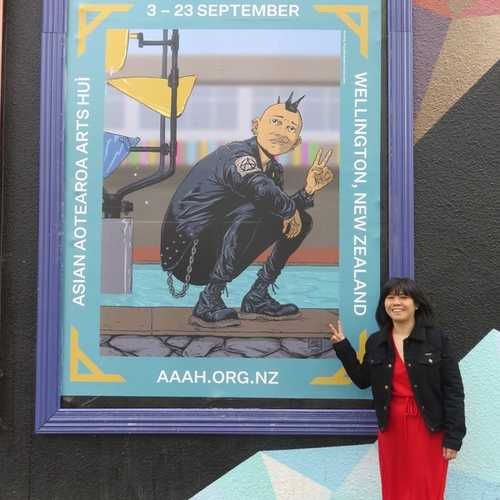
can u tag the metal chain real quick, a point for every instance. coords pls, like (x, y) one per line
(170, 280)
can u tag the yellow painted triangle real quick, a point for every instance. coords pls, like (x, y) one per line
(344, 14)
(155, 92)
(340, 377)
(77, 356)
(116, 49)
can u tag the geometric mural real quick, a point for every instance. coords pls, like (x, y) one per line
(457, 9)
(432, 29)
(458, 42)
(477, 471)
(351, 472)
(344, 472)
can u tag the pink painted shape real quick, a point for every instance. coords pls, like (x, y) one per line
(178, 158)
(304, 154)
(482, 8)
(438, 6)
(430, 31)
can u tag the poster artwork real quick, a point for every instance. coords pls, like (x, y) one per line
(222, 197)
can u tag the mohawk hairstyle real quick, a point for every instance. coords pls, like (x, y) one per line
(290, 105)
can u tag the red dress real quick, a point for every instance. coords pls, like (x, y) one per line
(411, 460)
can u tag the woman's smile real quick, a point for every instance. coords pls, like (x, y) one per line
(400, 307)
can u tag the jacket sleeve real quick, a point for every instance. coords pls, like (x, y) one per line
(358, 372)
(453, 396)
(251, 183)
(303, 200)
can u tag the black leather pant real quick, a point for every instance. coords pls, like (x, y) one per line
(226, 250)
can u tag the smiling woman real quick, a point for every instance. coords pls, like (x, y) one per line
(417, 390)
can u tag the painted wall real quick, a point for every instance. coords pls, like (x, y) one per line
(457, 183)
(351, 472)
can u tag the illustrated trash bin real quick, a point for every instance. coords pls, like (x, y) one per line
(116, 264)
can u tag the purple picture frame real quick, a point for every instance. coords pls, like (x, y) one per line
(50, 418)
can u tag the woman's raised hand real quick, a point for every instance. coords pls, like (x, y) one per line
(337, 333)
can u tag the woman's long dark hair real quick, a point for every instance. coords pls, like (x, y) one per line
(404, 286)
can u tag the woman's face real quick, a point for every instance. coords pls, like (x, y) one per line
(400, 308)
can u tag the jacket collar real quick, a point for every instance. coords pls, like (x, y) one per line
(418, 333)
(252, 142)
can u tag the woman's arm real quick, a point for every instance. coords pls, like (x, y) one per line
(453, 398)
(358, 372)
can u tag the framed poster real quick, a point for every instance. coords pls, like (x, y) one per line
(211, 187)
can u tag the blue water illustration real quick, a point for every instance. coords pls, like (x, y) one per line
(306, 286)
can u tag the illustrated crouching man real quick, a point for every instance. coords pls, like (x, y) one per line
(230, 208)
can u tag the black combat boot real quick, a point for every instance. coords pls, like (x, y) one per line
(258, 304)
(210, 310)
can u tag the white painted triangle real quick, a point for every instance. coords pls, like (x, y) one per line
(363, 482)
(288, 484)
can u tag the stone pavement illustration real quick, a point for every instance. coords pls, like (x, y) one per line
(166, 332)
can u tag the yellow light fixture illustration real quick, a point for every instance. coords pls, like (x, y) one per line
(155, 92)
(116, 49)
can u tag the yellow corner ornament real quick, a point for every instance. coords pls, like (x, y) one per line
(344, 13)
(102, 12)
(340, 377)
(95, 373)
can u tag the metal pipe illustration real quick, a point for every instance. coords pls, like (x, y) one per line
(113, 204)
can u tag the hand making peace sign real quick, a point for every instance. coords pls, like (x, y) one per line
(319, 175)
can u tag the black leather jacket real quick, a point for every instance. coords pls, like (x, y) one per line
(220, 182)
(433, 372)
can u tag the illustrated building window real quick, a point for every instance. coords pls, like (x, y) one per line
(212, 107)
(115, 110)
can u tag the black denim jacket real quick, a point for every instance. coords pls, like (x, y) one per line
(433, 372)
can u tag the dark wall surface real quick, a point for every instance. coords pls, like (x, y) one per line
(457, 212)
(457, 164)
(457, 185)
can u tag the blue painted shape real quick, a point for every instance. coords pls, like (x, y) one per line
(306, 286)
(191, 153)
(327, 466)
(250, 479)
(116, 149)
(463, 486)
(480, 453)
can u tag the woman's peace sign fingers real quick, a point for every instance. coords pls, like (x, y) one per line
(337, 333)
